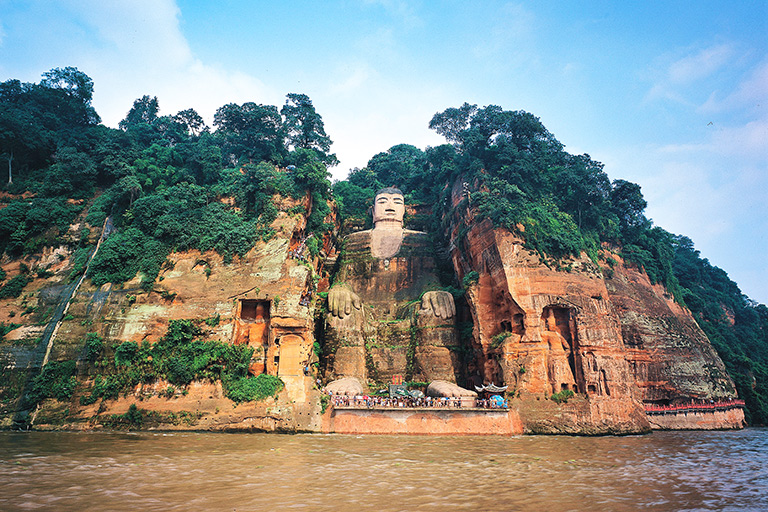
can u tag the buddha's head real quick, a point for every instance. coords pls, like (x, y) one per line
(388, 209)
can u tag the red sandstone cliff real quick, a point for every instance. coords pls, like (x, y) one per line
(617, 343)
(266, 299)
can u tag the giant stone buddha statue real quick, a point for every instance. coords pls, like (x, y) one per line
(386, 313)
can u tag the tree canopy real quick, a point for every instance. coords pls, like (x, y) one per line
(168, 181)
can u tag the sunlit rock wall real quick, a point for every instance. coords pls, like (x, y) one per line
(543, 330)
(266, 300)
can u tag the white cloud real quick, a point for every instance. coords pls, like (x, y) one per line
(572, 68)
(682, 78)
(751, 94)
(146, 30)
(351, 78)
(749, 141)
(139, 49)
(701, 64)
(508, 35)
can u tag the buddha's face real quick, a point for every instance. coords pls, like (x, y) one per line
(388, 208)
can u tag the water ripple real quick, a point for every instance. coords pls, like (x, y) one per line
(680, 471)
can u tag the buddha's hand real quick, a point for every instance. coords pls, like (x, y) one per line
(342, 301)
(439, 303)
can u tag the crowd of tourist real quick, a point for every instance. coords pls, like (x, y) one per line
(384, 402)
(299, 253)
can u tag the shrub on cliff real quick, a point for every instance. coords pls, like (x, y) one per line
(178, 357)
(94, 345)
(6, 328)
(562, 397)
(56, 380)
(14, 286)
(126, 353)
(124, 254)
(246, 389)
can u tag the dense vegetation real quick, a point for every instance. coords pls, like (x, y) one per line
(519, 176)
(179, 357)
(162, 180)
(736, 325)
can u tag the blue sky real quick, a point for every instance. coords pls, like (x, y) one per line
(672, 95)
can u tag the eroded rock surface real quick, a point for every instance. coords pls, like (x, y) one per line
(615, 343)
(579, 352)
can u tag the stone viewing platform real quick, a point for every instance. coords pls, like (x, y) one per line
(427, 403)
(404, 413)
(422, 420)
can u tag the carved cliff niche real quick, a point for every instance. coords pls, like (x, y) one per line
(252, 321)
(496, 304)
(560, 321)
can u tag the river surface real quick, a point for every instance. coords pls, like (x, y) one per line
(246, 472)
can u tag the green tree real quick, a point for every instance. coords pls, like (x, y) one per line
(27, 136)
(628, 204)
(251, 132)
(582, 189)
(364, 178)
(400, 166)
(305, 129)
(143, 111)
(70, 79)
(195, 125)
(353, 201)
(452, 123)
(78, 86)
(22, 138)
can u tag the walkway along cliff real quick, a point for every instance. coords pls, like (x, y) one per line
(591, 348)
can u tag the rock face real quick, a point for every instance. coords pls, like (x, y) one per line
(670, 357)
(581, 348)
(265, 300)
(616, 343)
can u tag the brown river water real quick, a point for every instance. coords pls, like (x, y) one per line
(246, 472)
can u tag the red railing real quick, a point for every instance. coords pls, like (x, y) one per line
(722, 405)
